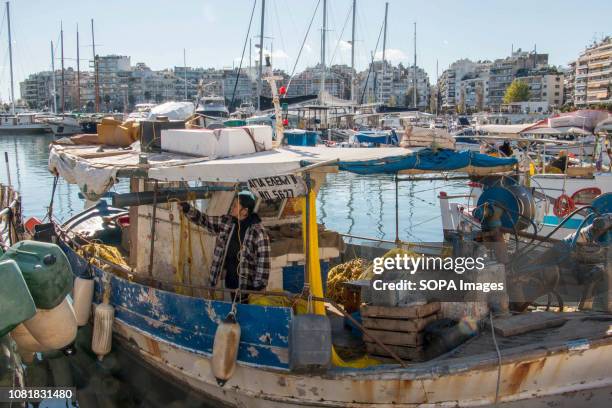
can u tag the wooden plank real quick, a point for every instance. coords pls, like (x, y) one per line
(398, 312)
(396, 338)
(527, 322)
(398, 325)
(405, 353)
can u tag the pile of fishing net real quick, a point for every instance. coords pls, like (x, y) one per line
(342, 273)
(355, 269)
(106, 252)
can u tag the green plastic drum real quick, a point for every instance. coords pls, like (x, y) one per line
(16, 303)
(45, 269)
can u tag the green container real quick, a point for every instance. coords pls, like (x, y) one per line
(234, 123)
(45, 269)
(16, 303)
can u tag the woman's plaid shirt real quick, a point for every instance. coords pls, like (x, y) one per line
(254, 253)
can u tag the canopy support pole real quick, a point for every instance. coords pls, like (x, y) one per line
(153, 223)
(397, 239)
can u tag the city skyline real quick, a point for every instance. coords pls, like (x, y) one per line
(438, 37)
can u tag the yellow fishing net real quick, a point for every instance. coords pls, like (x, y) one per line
(106, 252)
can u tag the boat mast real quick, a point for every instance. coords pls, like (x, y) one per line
(384, 68)
(10, 47)
(62, 62)
(353, 53)
(414, 70)
(53, 79)
(323, 41)
(62, 54)
(260, 67)
(95, 57)
(185, 71)
(78, 78)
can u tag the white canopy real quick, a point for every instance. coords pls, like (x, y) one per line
(272, 162)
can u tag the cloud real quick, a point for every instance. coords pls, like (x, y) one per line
(307, 48)
(393, 55)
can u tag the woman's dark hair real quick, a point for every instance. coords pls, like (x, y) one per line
(247, 201)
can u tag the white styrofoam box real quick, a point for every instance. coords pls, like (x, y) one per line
(218, 143)
(199, 142)
(236, 141)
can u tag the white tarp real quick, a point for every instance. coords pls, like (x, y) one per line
(172, 110)
(93, 181)
(273, 162)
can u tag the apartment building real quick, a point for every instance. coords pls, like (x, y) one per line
(593, 75)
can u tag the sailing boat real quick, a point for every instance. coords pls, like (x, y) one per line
(14, 123)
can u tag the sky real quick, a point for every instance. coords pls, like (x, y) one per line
(213, 32)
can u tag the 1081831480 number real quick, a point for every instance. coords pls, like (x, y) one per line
(28, 394)
(276, 194)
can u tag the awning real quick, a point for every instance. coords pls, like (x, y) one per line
(117, 163)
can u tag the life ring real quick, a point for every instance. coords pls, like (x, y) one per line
(563, 205)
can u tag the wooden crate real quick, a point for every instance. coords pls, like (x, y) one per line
(399, 328)
(399, 312)
(398, 325)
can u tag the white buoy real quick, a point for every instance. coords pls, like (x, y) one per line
(53, 328)
(26, 343)
(225, 350)
(102, 338)
(82, 295)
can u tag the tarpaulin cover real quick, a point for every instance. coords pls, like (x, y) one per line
(427, 160)
(389, 138)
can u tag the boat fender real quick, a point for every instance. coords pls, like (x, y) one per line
(82, 294)
(102, 337)
(54, 328)
(225, 349)
(563, 205)
(27, 345)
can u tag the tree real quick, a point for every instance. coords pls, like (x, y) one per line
(461, 104)
(409, 97)
(479, 98)
(518, 91)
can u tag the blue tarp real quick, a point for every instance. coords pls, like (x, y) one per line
(428, 160)
(376, 137)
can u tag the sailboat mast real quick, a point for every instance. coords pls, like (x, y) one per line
(260, 67)
(384, 68)
(353, 53)
(323, 45)
(10, 47)
(54, 92)
(62, 53)
(185, 71)
(414, 70)
(95, 59)
(78, 78)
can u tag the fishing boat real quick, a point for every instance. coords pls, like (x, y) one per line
(22, 124)
(65, 125)
(165, 316)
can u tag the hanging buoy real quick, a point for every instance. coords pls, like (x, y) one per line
(27, 345)
(53, 328)
(563, 205)
(102, 337)
(82, 296)
(225, 349)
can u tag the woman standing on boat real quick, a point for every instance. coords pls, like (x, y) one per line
(242, 248)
